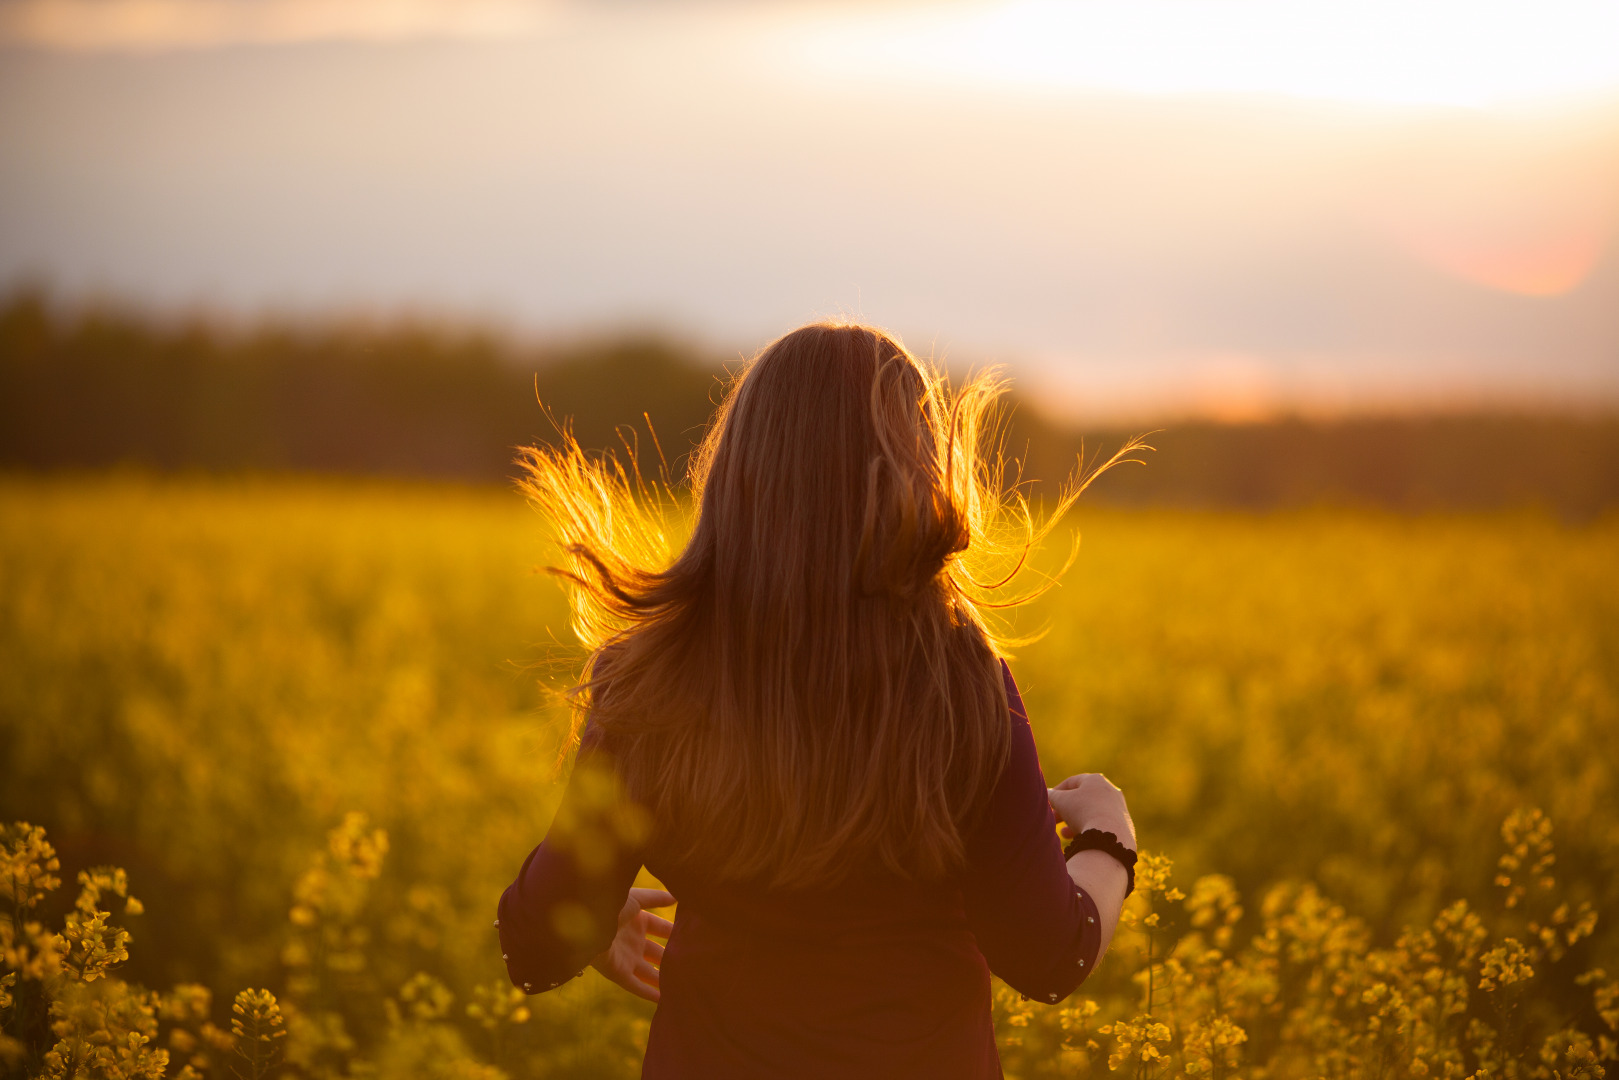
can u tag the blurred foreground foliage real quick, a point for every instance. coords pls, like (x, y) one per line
(304, 718)
(107, 386)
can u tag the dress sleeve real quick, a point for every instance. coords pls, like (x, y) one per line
(1036, 928)
(563, 908)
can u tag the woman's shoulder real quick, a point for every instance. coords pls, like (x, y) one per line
(1014, 697)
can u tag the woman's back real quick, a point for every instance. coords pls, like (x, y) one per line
(876, 976)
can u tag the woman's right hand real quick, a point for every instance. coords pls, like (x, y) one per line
(1090, 801)
(633, 960)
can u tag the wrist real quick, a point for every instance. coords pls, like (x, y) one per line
(1108, 844)
(1121, 827)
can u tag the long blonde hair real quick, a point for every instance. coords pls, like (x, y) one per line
(810, 687)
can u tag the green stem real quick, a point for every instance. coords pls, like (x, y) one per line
(1149, 972)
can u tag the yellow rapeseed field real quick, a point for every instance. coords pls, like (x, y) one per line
(1373, 758)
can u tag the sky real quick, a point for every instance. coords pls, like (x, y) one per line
(1141, 207)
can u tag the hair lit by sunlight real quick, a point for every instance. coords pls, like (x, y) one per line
(615, 520)
(818, 650)
(1383, 52)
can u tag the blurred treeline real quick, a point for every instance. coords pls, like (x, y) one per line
(104, 386)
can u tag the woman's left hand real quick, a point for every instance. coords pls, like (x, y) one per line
(632, 959)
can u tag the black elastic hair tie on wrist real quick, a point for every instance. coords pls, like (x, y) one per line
(1106, 842)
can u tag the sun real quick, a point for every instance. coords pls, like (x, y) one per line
(1472, 53)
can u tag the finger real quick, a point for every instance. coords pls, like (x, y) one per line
(1067, 832)
(652, 898)
(654, 924)
(646, 973)
(1072, 782)
(653, 951)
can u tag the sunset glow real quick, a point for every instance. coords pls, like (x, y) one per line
(1380, 52)
(163, 25)
(1539, 266)
(1142, 207)
(1439, 52)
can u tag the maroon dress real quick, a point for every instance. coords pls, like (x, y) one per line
(877, 977)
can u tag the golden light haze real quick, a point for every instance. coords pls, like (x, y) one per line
(1433, 52)
(1387, 52)
(1229, 206)
(163, 25)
